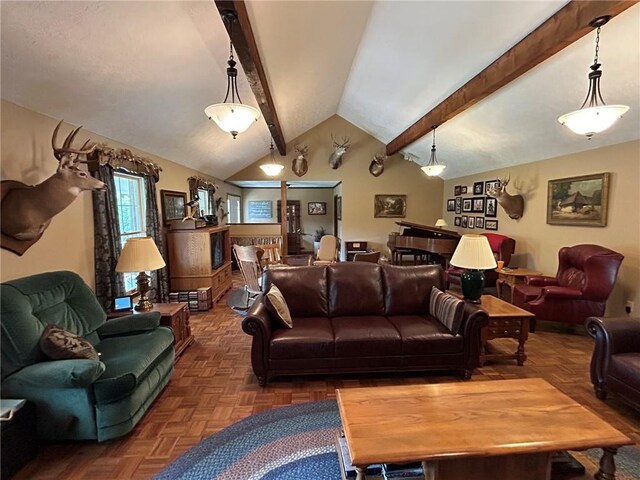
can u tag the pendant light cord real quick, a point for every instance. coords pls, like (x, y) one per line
(595, 59)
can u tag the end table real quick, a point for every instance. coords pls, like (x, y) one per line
(512, 277)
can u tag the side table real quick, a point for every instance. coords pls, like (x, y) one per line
(174, 316)
(512, 277)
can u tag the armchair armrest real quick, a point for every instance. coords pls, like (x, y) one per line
(257, 323)
(561, 292)
(55, 374)
(541, 281)
(130, 324)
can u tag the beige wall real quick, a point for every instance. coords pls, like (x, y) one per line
(68, 242)
(537, 243)
(424, 195)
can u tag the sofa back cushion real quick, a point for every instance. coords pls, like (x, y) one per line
(355, 288)
(448, 309)
(304, 289)
(407, 289)
(29, 304)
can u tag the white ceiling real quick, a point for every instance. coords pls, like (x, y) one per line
(142, 73)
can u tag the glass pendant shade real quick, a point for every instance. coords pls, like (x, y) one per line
(433, 168)
(272, 168)
(589, 121)
(233, 118)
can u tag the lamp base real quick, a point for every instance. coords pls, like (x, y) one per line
(144, 303)
(472, 283)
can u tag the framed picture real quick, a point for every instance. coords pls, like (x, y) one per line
(581, 201)
(463, 189)
(451, 205)
(464, 221)
(390, 206)
(260, 209)
(478, 205)
(458, 205)
(491, 207)
(479, 222)
(490, 185)
(471, 222)
(339, 208)
(466, 204)
(457, 190)
(478, 188)
(317, 208)
(173, 205)
(456, 221)
(491, 224)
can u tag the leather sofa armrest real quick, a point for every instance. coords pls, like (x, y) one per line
(561, 292)
(541, 281)
(258, 324)
(53, 374)
(620, 334)
(129, 324)
(474, 320)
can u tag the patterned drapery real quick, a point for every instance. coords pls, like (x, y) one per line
(159, 278)
(106, 235)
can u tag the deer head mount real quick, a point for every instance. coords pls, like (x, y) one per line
(376, 167)
(513, 205)
(335, 160)
(299, 163)
(26, 210)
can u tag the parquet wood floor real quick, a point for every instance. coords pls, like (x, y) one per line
(213, 386)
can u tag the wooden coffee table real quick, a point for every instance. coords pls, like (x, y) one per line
(506, 429)
(511, 278)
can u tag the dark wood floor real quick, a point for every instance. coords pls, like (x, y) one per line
(213, 387)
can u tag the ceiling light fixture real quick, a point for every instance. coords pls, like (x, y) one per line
(273, 167)
(597, 116)
(433, 168)
(232, 117)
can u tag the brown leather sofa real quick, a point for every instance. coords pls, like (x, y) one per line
(359, 317)
(615, 364)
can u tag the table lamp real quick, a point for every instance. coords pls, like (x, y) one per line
(474, 254)
(441, 223)
(141, 255)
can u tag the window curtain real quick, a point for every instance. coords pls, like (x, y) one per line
(159, 278)
(106, 237)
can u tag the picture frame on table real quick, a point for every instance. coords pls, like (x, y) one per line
(467, 204)
(317, 208)
(491, 224)
(458, 205)
(457, 190)
(451, 205)
(478, 205)
(471, 223)
(174, 205)
(490, 207)
(464, 221)
(478, 188)
(479, 222)
(456, 221)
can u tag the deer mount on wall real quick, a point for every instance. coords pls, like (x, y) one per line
(335, 160)
(27, 210)
(376, 167)
(299, 163)
(513, 205)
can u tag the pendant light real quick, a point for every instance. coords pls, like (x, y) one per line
(273, 167)
(597, 116)
(232, 117)
(433, 168)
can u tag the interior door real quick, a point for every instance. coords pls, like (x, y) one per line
(294, 226)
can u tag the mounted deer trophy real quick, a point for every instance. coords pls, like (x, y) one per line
(513, 205)
(299, 164)
(335, 160)
(26, 210)
(376, 167)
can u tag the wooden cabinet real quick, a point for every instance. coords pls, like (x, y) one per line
(355, 247)
(200, 258)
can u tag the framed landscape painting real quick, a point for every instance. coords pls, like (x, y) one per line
(580, 201)
(390, 206)
(173, 205)
(317, 208)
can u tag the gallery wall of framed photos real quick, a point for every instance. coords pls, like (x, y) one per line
(473, 207)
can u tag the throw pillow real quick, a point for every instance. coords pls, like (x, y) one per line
(448, 309)
(60, 344)
(277, 305)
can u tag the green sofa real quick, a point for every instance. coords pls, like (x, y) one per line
(80, 399)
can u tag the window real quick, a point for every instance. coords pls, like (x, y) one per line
(205, 202)
(130, 199)
(233, 207)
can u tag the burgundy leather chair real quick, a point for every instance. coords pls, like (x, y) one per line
(585, 278)
(502, 248)
(615, 364)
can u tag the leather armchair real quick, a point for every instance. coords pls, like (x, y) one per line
(586, 275)
(80, 399)
(502, 248)
(615, 364)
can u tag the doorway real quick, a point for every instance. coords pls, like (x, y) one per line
(294, 227)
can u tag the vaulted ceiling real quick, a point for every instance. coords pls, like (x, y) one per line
(142, 73)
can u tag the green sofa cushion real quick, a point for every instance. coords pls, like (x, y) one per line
(128, 361)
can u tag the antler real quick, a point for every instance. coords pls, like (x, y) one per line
(344, 144)
(61, 152)
(379, 158)
(301, 150)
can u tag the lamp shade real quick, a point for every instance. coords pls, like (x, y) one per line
(589, 121)
(140, 255)
(272, 169)
(233, 118)
(433, 170)
(473, 252)
(441, 223)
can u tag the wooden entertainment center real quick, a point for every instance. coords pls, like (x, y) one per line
(200, 258)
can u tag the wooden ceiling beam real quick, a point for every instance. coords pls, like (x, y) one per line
(567, 25)
(244, 43)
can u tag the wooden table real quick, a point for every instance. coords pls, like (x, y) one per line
(506, 429)
(511, 278)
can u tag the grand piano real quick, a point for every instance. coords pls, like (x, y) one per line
(437, 243)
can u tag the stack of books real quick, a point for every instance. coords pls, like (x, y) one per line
(198, 300)
(205, 300)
